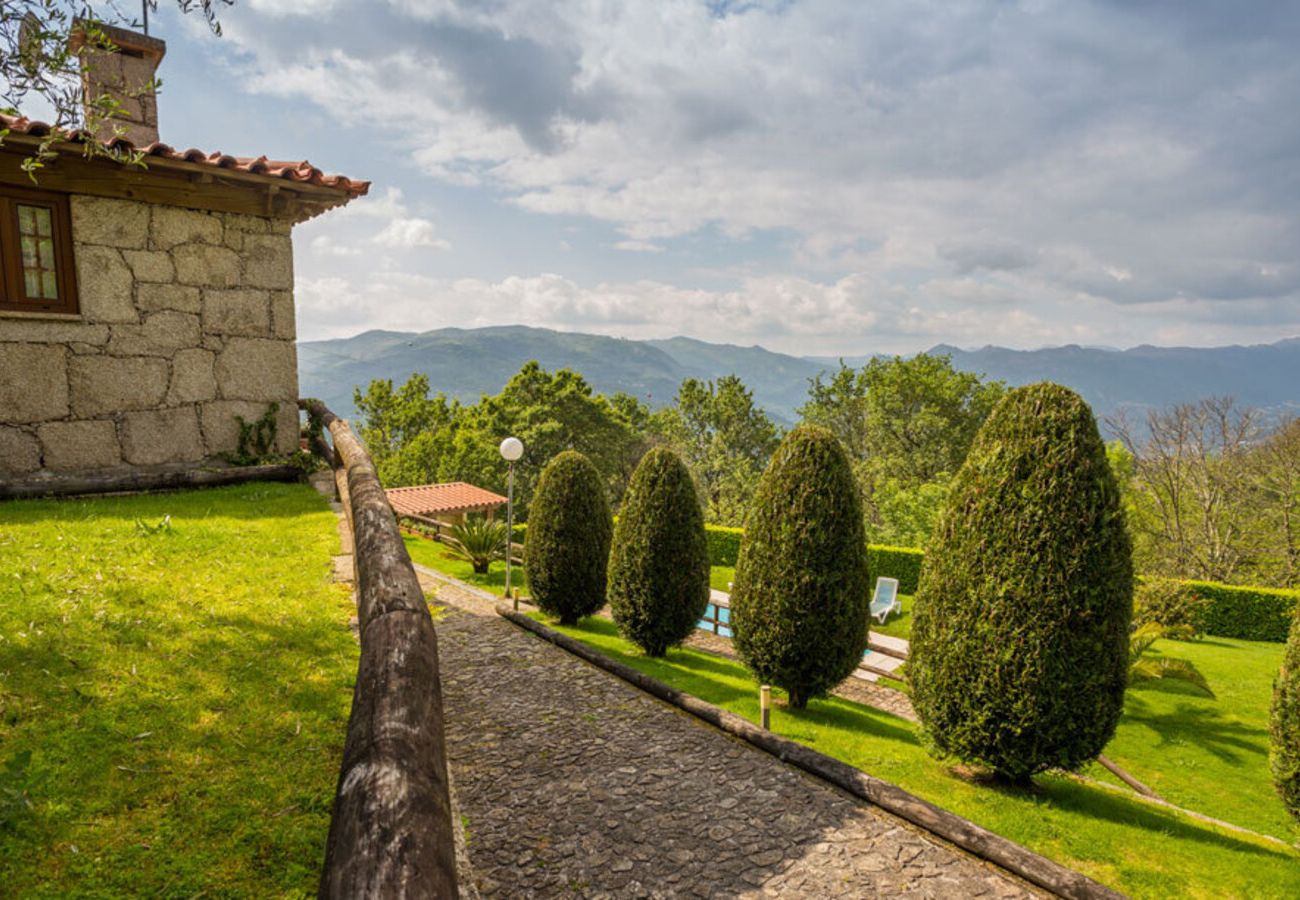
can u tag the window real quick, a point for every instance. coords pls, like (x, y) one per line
(36, 249)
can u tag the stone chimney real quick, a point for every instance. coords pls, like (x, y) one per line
(126, 74)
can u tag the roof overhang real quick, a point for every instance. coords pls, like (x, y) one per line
(192, 179)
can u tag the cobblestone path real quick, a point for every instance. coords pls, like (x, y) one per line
(573, 783)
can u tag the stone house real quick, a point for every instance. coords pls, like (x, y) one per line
(145, 309)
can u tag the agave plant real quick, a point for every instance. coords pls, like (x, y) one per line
(478, 542)
(1143, 668)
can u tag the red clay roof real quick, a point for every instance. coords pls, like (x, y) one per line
(431, 499)
(301, 171)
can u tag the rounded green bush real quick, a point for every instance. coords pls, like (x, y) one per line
(659, 566)
(1284, 723)
(800, 598)
(1019, 655)
(569, 529)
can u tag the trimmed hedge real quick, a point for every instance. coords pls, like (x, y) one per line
(802, 589)
(1249, 613)
(724, 544)
(659, 564)
(903, 563)
(1020, 629)
(567, 552)
(1284, 724)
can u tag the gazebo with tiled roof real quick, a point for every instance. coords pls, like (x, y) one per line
(449, 502)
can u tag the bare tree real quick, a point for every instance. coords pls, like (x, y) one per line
(1275, 477)
(1191, 488)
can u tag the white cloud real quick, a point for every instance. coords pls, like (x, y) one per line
(979, 172)
(410, 233)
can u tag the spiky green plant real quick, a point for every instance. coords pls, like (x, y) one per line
(1143, 668)
(478, 542)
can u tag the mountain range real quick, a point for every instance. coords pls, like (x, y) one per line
(466, 363)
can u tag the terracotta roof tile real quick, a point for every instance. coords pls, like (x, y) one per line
(431, 499)
(300, 171)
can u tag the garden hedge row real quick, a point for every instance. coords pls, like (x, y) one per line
(1248, 613)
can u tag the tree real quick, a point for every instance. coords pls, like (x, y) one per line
(800, 597)
(567, 551)
(39, 62)
(1020, 634)
(1273, 470)
(1284, 724)
(907, 425)
(659, 564)
(1190, 491)
(725, 439)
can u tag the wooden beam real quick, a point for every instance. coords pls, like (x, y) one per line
(392, 832)
(168, 478)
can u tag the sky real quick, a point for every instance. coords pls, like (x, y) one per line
(822, 177)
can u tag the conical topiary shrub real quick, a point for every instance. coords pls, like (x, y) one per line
(1284, 723)
(569, 529)
(1019, 655)
(800, 598)
(659, 565)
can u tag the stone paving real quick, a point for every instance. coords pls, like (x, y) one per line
(572, 782)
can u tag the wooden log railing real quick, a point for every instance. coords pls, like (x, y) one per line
(392, 832)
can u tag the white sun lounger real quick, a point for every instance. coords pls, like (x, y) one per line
(886, 599)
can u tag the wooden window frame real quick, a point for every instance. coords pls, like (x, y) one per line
(13, 292)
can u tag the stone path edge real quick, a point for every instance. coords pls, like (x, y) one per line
(968, 836)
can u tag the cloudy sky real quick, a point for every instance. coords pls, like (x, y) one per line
(818, 176)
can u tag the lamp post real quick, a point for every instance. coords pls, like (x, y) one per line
(511, 450)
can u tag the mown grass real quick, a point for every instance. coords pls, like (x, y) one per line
(183, 694)
(1142, 850)
(436, 555)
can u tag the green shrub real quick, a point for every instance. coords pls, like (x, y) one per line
(724, 544)
(1248, 613)
(1176, 608)
(903, 563)
(1284, 724)
(800, 599)
(478, 542)
(1020, 630)
(569, 530)
(659, 564)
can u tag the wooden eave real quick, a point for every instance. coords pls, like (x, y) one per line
(168, 182)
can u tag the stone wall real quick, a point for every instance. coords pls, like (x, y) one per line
(187, 322)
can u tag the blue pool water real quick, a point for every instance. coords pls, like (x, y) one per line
(723, 615)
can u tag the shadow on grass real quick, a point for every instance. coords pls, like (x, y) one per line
(1100, 804)
(1204, 727)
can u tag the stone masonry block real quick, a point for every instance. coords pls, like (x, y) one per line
(268, 261)
(255, 369)
(104, 285)
(173, 226)
(50, 331)
(240, 312)
(33, 383)
(220, 422)
(162, 334)
(103, 385)
(150, 265)
(153, 297)
(283, 315)
(113, 223)
(20, 452)
(78, 446)
(206, 266)
(193, 377)
(162, 436)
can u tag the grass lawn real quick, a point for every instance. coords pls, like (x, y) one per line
(435, 555)
(183, 694)
(1136, 848)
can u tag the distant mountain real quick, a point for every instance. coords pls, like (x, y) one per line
(467, 363)
(1142, 378)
